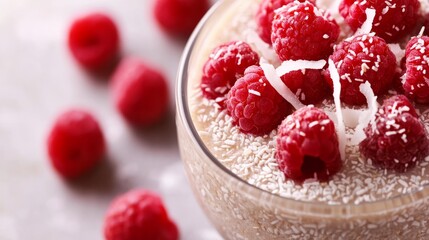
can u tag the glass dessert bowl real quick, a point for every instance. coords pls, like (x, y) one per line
(242, 209)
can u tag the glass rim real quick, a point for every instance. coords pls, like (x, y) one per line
(307, 207)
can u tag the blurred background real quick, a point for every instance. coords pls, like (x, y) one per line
(38, 80)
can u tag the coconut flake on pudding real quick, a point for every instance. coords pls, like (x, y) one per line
(295, 65)
(278, 85)
(341, 128)
(367, 116)
(367, 25)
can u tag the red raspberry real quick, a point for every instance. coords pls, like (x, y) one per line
(360, 59)
(94, 41)
(140, 92)
(416, 83)
(265, 16)
(394, 19)
(139, 214)
(302, 32)
(179, 17)
(254, 104)
(397, 139)
(307, 145)
(225, 65)
(309, 85)
(75, 143)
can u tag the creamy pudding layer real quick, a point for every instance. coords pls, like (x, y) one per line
(252, 158)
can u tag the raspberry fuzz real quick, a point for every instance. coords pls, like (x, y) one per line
(394, 19)
(307, 146)
(75, 143)
(94, 41)
(359, 59)
(139, 214)
(225, 65)
(265, 16)
(140, 92)
(254, 104)
(179, 17)
(417, 70)
(397, 139)
(300, 31)
(309, 85)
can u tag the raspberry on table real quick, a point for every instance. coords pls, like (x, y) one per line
(415, 80)
(300, 31)
(394, 19)
(309, 85)
(179, 17)
(75, 143)
(307, 146)
(359, 59)
(397, 139)
(139, 214)
(225, 65)
(254, 104)
(93, 40)
(140, 92)
(265, 16)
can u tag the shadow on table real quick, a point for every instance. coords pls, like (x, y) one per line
(101, 179)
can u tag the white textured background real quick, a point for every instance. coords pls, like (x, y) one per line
(39, 79)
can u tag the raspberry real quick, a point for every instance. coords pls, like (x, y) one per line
(394, 19)
(75, 143)
(94, 41)
(397, 139)
(140, 92)
(417, 69)
(307, 145)
(265, 16)
(225, 65)
(301, 32)
(360, 59)
(179, 17)
(139, 214)
(308, 85)
(254, 104)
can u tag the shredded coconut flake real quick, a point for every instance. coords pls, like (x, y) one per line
(341, 128)
(262, 47)
(278, 85)
(351, 116)
(367, 25)
(368, 117)
(291, 65)
(398, 51)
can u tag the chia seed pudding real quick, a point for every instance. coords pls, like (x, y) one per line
(361, 201)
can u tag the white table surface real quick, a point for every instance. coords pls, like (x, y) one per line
(38, 80)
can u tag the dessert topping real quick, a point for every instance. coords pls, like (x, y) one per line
(393, 19)
(277, 83)
(265, 16)
(301, 31)
(397, 139)
(225, 65)
(254, 104)
(307, 146)
(341, 128)
(366, 117)
(359, 59)
(416, 79)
